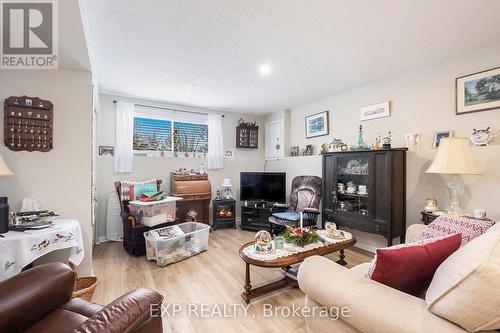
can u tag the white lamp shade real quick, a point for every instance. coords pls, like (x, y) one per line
(4, 169)
(227, 182)
(454, 157)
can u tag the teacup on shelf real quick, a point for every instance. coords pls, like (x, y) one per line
(362, 189)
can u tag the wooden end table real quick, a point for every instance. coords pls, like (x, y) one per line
(283, 262)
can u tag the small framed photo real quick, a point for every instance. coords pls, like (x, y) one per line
(309, 150)
(374, 111)
(229, 153)
(317, 125)
(478, 92)
(294, 151)
(438, 135)
(107, 150)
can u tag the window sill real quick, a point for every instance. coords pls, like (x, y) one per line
(157, 154)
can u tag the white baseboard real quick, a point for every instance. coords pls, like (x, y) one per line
(102, 239)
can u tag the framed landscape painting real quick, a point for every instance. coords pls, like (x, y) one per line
(478, 92)
(375, 111)
(317, 125)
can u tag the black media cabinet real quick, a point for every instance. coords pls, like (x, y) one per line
(255, 216)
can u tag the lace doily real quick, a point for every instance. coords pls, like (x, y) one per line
(290, 249)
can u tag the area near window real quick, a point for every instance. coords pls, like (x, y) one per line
(170, 133)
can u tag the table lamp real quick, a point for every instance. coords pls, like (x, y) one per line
(4, 205)
(227, 184)
(454, 158)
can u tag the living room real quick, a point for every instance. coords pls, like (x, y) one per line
(250, 165)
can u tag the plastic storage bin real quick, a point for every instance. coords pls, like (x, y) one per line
(171, 244)
(152, 213)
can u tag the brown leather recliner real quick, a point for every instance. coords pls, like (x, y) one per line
(39, 300)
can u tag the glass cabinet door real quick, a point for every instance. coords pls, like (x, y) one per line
(351, 190)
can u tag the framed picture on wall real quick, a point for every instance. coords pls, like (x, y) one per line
(478, 92)
(375, 111)
(438, 135)
(317, 125)
(106, 150)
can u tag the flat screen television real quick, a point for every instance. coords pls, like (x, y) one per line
(263, 186)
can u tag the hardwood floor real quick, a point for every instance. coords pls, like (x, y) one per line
(215, 277)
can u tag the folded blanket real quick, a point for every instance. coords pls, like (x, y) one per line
(152, 196)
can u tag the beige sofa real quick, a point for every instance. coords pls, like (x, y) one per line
(464, 295)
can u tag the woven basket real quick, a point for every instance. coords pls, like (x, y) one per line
(85, 287)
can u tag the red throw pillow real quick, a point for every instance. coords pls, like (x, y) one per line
(410, 267)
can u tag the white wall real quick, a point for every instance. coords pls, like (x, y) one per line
(59, 179)
(160, 167)
(422, 101)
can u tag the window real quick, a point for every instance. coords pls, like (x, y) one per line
(190, 137)
(152, 134)
(170, 131)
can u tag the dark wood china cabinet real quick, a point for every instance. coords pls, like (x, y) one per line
(366, 190)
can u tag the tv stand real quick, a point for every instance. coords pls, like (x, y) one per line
(255, 215)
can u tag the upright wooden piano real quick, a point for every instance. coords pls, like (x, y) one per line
(196, 193)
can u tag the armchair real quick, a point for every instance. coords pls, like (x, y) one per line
(305, 197)
(133, 231)
(39, 300)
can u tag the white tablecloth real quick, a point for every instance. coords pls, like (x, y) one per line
(18, 249)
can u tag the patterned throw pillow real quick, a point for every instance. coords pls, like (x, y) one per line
(449, 225)
(410, 267)
(130, 190)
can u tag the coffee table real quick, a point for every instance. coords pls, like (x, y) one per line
(284, 262)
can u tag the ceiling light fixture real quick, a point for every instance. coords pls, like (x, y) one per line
(192, 88)
(265, 69)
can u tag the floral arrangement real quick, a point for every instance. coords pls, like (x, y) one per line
(300, 236)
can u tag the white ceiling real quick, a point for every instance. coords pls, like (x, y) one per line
(156, 49)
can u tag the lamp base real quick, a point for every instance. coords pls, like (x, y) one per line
(455, 189)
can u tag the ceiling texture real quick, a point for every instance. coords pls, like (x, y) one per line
(208, 53)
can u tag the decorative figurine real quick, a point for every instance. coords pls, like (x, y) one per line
(218, 197)
(263, 243)
(191, 216)
(430, 205)
(481, 137)
(386, 141)
(202, 169)
(325, 148)
(377, 141)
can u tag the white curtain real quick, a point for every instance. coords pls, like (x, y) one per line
(124, 140)
(215, 142)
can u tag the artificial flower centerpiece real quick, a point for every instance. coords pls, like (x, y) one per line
(300, 236)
